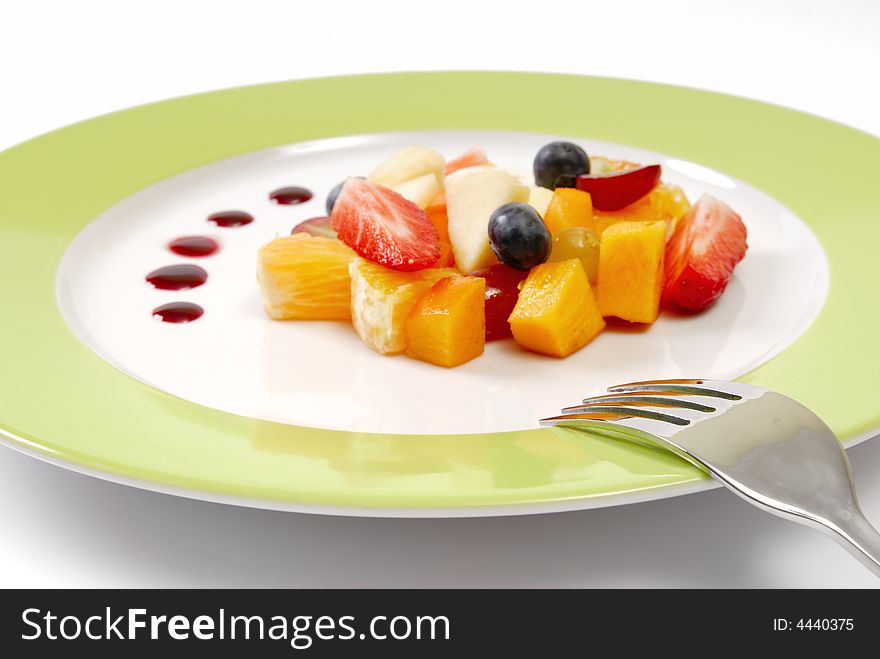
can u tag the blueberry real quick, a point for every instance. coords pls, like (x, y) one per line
(519, 236)
(331, 196)
(560, 159)
(566, 181)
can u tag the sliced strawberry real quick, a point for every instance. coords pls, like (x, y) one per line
(467, 159)
(700, 256)
(383, 227)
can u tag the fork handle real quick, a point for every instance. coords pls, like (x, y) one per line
(855, 533)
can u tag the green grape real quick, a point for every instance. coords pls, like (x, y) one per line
(577, 243)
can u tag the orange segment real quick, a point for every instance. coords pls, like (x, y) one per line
(305, 277)
(665, 202)
(631, 270)
(556, 313)
(381, 300)
(438, 217)
(569, 208)
(447, 327)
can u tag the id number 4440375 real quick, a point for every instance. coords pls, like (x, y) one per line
(814, 624)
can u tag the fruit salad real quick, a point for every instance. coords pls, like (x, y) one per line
(432, 258)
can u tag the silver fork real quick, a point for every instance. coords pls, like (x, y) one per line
(767, 448)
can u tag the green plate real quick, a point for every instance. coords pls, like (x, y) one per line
(63, 403)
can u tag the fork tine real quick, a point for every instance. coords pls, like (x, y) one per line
(572, 419)
(669, 381)
(638, 399)
(620, 412)
(691, 387)
(651, 431)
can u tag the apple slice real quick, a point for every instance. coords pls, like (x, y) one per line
(420, 190)
(409, 163)
(472, 195)
(539, 198)
(613, 191)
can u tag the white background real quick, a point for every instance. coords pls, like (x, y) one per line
(61, 62)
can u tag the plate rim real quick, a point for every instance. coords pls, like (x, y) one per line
(511, 510)
(423, 85)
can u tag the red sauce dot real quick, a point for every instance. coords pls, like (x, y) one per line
(178, 312)
(231, 219)
(195, 246)
(178, 277)
(290, 196)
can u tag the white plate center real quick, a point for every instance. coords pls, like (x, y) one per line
(319, 374)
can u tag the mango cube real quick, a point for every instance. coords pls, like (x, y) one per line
(447, 326)
(569, 207)
(631, 270)
(556, 313)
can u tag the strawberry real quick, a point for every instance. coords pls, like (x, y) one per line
(700, 256)
(383, 227)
